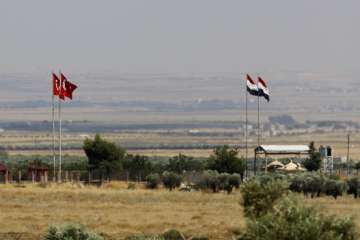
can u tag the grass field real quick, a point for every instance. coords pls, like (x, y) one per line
(118, 212)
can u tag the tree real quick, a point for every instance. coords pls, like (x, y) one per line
(181, 163)
(103, 155)
(313, 163)
(171, 180)
(225, 160)
(138, 166)
(357, 167)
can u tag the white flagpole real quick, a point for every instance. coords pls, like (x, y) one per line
(246, 129)
(53, 132)
(258, 111)
(60, 129)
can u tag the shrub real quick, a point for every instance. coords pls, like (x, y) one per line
(144, 238)
(334, 188)
(258, 199)
(209, 180)
(173, 235)
(313, 184)
(131, 186)
(354, 186)
(152, 181)
(297, 183)
(289, 220)
(216, 182)
(235, 180)
(70, 232)
(171, 180)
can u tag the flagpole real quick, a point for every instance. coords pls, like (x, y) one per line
(53, 134)
(60, 129)
(258, 116)
(246, 130)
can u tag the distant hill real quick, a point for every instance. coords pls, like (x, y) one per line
(292, 92)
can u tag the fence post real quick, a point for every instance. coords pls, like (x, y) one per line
(89, 177)
(33, 176)
(19, 175)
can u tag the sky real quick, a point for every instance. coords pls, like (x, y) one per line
(179, 36)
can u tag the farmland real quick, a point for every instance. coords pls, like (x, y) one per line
(118, 212)
(170, 143)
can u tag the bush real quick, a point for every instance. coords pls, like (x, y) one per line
(297, 183)
(144, 238)
(258, 199)
(289, 220)
(314, 185)
(131, 186)
(209, 180)
(152, 181)
(70, 232)
(217, 182)
(235, 180)
(173, 235)
(354, 186)
(171, 180)
(334, 188)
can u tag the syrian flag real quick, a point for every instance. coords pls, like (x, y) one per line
(251, 86)
(57, 91)
(69, 86)
(263, 89)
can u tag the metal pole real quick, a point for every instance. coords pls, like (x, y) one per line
(53, 133)
(246, 131)
(348, 155)
(258, 116)
(60, 128)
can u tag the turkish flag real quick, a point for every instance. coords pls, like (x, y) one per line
(56, 87)
(56, 84)
(69, 87)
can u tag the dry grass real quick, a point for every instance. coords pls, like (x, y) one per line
(118, 212)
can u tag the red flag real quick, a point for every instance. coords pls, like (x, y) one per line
(69, 87)
(56, 84)
(56, 87)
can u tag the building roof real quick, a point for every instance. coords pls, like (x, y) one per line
(283, 149)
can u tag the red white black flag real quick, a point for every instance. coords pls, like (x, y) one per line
(251, 86)
(263, 89)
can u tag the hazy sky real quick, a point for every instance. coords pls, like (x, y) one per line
(179, 36)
